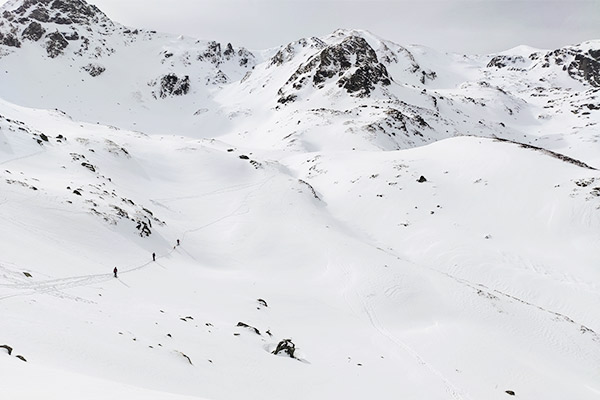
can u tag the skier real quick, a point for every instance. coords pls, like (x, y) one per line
(115, 271)
(177, 242)
(153, 256)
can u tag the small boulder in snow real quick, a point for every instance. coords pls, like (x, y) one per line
(8, 348)
(286, 346)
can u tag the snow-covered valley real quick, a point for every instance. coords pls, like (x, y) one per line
(419, 225)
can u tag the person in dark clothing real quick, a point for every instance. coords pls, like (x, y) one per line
(153, 256)
(115, 271)
(177, 242)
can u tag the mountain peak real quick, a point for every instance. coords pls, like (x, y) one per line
(58, 21)
(352, 63)
(60, 12)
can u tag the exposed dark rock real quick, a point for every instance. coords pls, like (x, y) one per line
(422, 179)
(56, 44)
(244, 325)
(584, 182)
(559, 156)
(8, 348)
(144, 228)
(20, 357)
(431, 75)
(244, 157)
(256, 164)
(287, 53)
(172, 85)
(285, 346)
(62, 20)
(586, 67)
(503, 61)
(69, 11)
(229, 52)
(353, 62)
(40, 14)
(27, 274)
(71, 36)
(94, 69)
(311, 188)
(287, 99)
(212, 53)
(33, 32)
(510, 392)
(245, 57)
(9, 40)
(78, 11)
(262, 302)
(215, 55)
(186, 357)
(88, 166)
(218, 78)
(120, 212)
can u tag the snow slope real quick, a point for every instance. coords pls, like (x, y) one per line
(403, 250)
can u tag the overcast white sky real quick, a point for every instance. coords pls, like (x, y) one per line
(463, 26)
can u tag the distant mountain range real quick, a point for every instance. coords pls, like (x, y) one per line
(377, 93)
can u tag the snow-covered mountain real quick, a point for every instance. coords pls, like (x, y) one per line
(356, 218)
(376, 93)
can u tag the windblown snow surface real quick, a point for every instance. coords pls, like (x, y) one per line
(430, 232)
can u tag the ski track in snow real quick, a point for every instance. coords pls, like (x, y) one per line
(22, 157)
(238, 211)
(53, 286)
(451, 390)
(480, 287)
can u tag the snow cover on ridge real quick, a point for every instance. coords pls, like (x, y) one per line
(340, 217)
(378, 94)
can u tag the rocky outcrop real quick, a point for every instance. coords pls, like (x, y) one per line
(250, 327)
(212, 53)
(56, 43)
(9, 39)
(171, 85)
(286, 346)
(217, 78)
(505, 61)
(33, 32)
(7, 348)
(581, 62)
(67, 20)
(352, 63)
(288, 52)
(62, 12)
(94, 69)
(216, 56)
(143, 227)
(40, 14)
(586, 67)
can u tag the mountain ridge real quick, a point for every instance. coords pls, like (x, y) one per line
(318, 60)
(413, 95)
